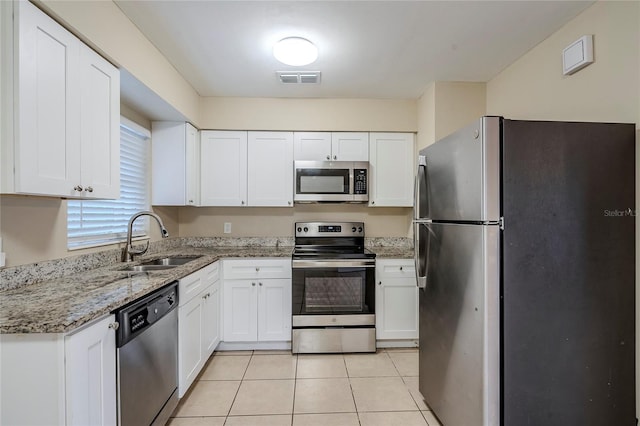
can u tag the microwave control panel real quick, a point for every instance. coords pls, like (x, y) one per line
(360, 181)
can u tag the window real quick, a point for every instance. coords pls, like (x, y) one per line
(99, 222)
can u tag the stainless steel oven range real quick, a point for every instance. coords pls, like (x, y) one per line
(333, 289)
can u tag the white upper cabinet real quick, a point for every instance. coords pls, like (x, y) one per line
(100, 126)
(223, 168)
(350, 146)
(331, 146)
(312, 146)
(246, 168)
(270, 168)
(63, 138)
(391, 169)
(175, 164)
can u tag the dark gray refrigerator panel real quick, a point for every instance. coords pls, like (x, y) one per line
(459, 359)
(568, 320)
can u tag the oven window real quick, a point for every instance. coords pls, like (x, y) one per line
(322, 181)
(333, 291)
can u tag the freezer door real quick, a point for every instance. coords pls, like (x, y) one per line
(463, 174)
(459, 356)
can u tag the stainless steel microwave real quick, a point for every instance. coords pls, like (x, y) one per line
(331, 181)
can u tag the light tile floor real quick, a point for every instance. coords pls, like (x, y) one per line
(274, 388)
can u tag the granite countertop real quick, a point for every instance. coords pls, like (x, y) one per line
(63, 304)
(60, 305)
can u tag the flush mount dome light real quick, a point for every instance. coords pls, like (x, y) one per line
(295, 51)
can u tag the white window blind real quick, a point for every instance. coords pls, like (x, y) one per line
(101, 222)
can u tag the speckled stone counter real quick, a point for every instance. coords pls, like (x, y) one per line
(65, 303)
(61, 295)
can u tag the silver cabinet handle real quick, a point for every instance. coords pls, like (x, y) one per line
(114, 325)
(253, 284)
(380, 283)
(260, 284)
(78, 188)
(190, 201)
(89, 189)
(335, 157)
(373, 203)
(257, 269)
(242, 202)
(289, 202)
(328, 157)
(401, 268)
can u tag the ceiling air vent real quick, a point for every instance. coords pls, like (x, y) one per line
(304, 77)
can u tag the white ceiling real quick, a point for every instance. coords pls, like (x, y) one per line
(367, 49)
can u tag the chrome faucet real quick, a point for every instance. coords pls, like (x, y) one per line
(128, 251)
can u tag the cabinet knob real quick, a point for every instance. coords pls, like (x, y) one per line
(89, 189)
(380, 283)
(77, 188)
(335, 157)
(260, 284)
(242, 202)
(373, 202)
(257, 269)
(190, 201)
(401, 268)
(253, 284)
(328, 157)
(289, 202)
(114, 325)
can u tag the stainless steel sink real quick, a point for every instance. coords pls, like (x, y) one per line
(148, 268)
(170, 261)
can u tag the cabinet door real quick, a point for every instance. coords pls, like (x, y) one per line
(223, 168)
(350, 146)
(270, 167)
(240, 311)
(391, 169)
(90, 373)
(274, 310)
(312, 146)
(396, 300)
(168, 162)
(190, 329)
(211, 315)
(99, 126)
(47, 148)
(192, 166)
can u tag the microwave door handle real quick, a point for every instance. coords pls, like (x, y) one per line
(419, 188)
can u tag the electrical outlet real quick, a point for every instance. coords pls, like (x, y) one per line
(227, 227)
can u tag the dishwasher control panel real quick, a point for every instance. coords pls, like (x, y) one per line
(144, 312)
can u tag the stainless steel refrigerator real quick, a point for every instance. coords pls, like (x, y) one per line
(525, 255)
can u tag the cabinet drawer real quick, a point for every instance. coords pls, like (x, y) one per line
(190, 286)
(257, 268)
(211, 273)
(395, 268)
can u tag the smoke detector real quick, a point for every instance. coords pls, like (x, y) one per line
(301, 77)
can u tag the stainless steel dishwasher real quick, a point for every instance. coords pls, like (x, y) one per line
(147, 346)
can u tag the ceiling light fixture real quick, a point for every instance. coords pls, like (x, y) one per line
(295, 51)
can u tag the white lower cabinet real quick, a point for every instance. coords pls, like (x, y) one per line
(257, 300)
(57, 379)
(396, 300)
(198, 323)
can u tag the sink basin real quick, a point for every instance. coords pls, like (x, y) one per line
(170, 261)
(147, 268)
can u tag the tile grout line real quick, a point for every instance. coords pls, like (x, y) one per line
(295, 385)
(238, 390)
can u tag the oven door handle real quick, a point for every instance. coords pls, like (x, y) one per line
(302, 264)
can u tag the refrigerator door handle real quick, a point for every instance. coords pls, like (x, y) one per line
(418, 190)
(418, 256)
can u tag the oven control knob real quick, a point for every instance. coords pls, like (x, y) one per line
(306, 229)
(359, 228)
(299, 229)
(353, 229)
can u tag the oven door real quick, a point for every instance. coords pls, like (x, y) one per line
(333, 293)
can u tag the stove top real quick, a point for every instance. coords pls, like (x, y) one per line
(330, 240)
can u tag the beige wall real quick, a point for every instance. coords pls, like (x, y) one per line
(308, 114)
(607, 90)
(103, 26)
(279, 222)
(447, 106)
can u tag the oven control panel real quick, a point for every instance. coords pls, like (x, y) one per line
(329, 229)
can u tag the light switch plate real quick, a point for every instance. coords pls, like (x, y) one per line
(577, 55)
